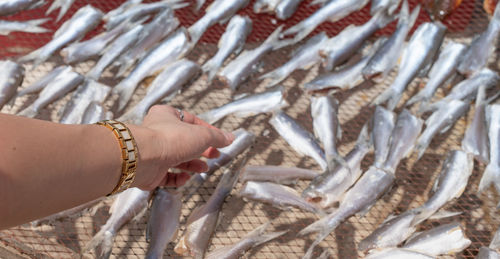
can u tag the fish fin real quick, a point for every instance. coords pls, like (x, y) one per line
(36, 22)
(421, 146)
(322, 235)
(383, 18)
(301, 30)
(211, 68)
(104, 241)
(441, 214)
(421, 96)
(268, 237)
(56, 4)
(491, 175)
(390, 96)
(413, 16)
(404, 14)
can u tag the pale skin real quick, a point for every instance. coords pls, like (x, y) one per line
(47, 167)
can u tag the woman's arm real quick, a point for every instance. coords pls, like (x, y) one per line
(47, 167)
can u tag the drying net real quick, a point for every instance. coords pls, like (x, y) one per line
(66, 238)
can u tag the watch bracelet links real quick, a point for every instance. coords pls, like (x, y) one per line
(129, 152)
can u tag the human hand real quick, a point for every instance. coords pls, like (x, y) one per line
(164, 142)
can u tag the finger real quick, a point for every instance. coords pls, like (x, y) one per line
(193, 119)
(176, 180)
(212, 137)
(211, 152)
(195, 165)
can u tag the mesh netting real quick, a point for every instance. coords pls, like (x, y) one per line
(66, 238)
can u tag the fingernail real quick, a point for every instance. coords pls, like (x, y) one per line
(229, 136)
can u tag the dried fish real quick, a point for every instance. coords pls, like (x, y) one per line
(131, 203)
(423, 46)
(166, 84)
(475, 140)
(62, 84)
(233, 40)
(278, 195)
(8, 7)
(90, 91)
(31, 26)
(286, 8)
(171, 49)
(202, 222)
(83, 21)
(163, 222)
(64, 6)
(95, 112)
(248, 106)
(13, 75)
(387, 56)
(276, 174)
(394, 253)
(492, 172)
(382, 125)
(300, 139)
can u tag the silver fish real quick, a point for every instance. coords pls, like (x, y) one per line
(421, 49)
(276, 174)
(219, 11)
(300, 139)
(121, 9)
(166, 84)
(254, 238)
(201, 223)
(382, 125)
(443, 70)
(171, 49)
(491, 173)
(265, 6)
(346, 77)
(403, 138)
(326, 127)
(467, 89)
(115, 49)
(84, 50)
(64, 6)
(394, 230)
(31, 26)
(233, 40)
(475, 140)
(329, 187)
(243, 65)
(90, 91)
(162, 25)
(333, 11)
(243, 140)
(397, 253)
(286, 8)
(139, 11)
(440, 121)
(78, 210)
(44, 81)
(248, 106)
(388, 6)
(62, 84)
(95, 112)
(340, 48)
(83, 21)
(481, 47)
(277, 195)
(487, 253)
(13, 75)
(306, 57)
(451, 183)
(387, 56)
(131, 203)
(443, 240)
(8, 7)
(371, 186)
(163, 222)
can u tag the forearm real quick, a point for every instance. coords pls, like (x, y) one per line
(48, 167)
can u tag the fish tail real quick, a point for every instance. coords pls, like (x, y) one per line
(269, 236)
(421, 146)
(490, 175)
(35, 25)
(383, 18)
(94, 73)
(125, 92)
(34, 55)
(276, 76)
(322, 235)
(208, 117)
(196, 31)
(211, 67)
(421, 96)
(199, 4)
(301, 30)
(386, 96)
(102, 240)
(496, 16)
(56, 4)
(404, 13)
(335, 159)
